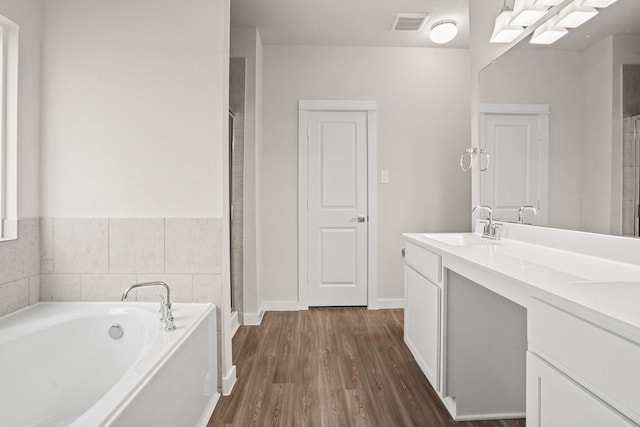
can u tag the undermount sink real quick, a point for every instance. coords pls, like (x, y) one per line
(460, 239)
(629, 291)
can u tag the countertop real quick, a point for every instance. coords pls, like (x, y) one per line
(611, 296)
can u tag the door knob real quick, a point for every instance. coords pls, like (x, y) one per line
(359, 218)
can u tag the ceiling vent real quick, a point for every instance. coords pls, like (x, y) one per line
(409, 21)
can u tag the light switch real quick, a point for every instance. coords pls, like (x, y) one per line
(384, 177)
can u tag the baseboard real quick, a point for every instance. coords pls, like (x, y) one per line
(389, 303)
(228, 381)
(479, 417)
(283, 306)
(235, 324)
(253, 319)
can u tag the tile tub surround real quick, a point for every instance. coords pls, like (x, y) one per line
(95, 259)
(19, 268)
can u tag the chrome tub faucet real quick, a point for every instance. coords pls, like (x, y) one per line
(166, 316)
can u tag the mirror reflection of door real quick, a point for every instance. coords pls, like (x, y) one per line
(516, 139)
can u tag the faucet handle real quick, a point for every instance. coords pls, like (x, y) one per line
(496, 230)
(169, 325)
(162, 310)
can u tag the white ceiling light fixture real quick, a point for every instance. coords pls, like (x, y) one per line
(503, 32)
(575, 14)
(548, 2)
(598, 3)
(443, 31)
(525, 13)
(548, 32)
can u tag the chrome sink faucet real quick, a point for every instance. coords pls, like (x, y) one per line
(491, 230)
(166, 316)
(523, 209)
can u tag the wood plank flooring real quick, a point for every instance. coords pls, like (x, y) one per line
(331, 367)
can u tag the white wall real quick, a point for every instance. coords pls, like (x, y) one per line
(423, 126)
(553, 78)
(134, 143)
(132, 115)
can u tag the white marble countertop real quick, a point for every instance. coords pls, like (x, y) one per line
(552, 274)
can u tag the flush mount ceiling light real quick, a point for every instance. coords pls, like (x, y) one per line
(525, 13)
(443, 31)
(575, 14)
(548, 32)
(503, 32)
(598, 3)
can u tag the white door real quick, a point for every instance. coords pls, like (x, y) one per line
(337, 231)
(513, 177)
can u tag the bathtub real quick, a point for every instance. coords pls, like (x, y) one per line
(59, 366)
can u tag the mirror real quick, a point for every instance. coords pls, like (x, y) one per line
(561, 124)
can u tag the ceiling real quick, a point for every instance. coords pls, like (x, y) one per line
(347, 22)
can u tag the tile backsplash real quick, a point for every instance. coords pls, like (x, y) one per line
(95, 259)
(20, 268)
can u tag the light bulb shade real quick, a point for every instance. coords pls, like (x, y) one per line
(598, 3)
(548, 2)
(503, 32)
(548, 32)
(443, 31)
(575, 14)
(525, 13)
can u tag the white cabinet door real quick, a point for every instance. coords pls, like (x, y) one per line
(422, 323)
(554, 400)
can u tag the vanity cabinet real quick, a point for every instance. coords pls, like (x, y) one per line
(553, 399)
(423, 302)
(579, 373)
(513, 328)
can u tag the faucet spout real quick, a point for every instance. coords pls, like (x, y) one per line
(490, 229)
(166, 315)
(484, 208)
(523, 209)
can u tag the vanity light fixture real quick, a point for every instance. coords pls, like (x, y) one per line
(598, 3)
(526, 13)
(548, 32)
(443, 31)
(547, 2)
(503, 32)
(575, 14)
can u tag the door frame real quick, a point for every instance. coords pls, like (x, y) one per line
(542, 111)
(304, 108)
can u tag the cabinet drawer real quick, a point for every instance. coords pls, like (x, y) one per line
(601, 361)
(423, 261)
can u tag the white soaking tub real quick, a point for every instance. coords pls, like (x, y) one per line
(60, 367)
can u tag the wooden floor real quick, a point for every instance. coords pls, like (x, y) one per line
(331, 367)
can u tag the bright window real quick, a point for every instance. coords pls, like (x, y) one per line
(8, 129)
